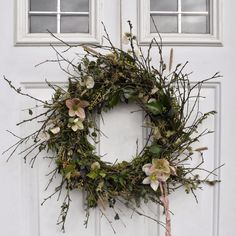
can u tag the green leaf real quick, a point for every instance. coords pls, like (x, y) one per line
(92, 175)
(155, 149)
(69, 169)
(155, 107)
(122, 182)
(165, 99)
(128, 93)
(103, 174)
(114, 100)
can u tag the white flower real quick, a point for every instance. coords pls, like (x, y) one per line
(95, 165)
(44, 136)
(152, 180)
(154, 90)
(75, 124)
(89, 82)
(55, 130)
(125, 39)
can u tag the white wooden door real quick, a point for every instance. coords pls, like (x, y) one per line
(22, 188)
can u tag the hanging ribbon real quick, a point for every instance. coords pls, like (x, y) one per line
(165, 201)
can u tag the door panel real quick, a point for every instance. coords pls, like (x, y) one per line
(22, 188)
(123, 129)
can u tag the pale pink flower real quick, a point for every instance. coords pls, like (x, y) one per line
(157, 172)
(44, 136)
(55, 130)
(76, 107)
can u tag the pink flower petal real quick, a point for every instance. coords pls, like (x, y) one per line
(162, 177)
(83, 104)
(69, 103)
(146, 180)
(146, 168)
(154, 185)
(75, 100)
(71, 113)
(152, 169)
(80, 113)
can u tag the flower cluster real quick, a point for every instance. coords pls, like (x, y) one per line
(76, 107)
(157, 172)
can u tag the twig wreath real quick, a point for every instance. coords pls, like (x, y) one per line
(104, 77)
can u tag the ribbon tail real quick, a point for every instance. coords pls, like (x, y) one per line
(165, 201)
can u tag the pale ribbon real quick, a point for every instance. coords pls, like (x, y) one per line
(165, 201)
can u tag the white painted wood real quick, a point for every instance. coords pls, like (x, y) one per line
(22, 187)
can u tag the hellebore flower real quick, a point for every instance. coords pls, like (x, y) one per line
(157, 172)
(89, 82)
(76, 107)
(75, 124)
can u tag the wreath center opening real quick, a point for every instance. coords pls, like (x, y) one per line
(123, 132)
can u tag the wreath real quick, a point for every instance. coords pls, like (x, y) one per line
(104, 77)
